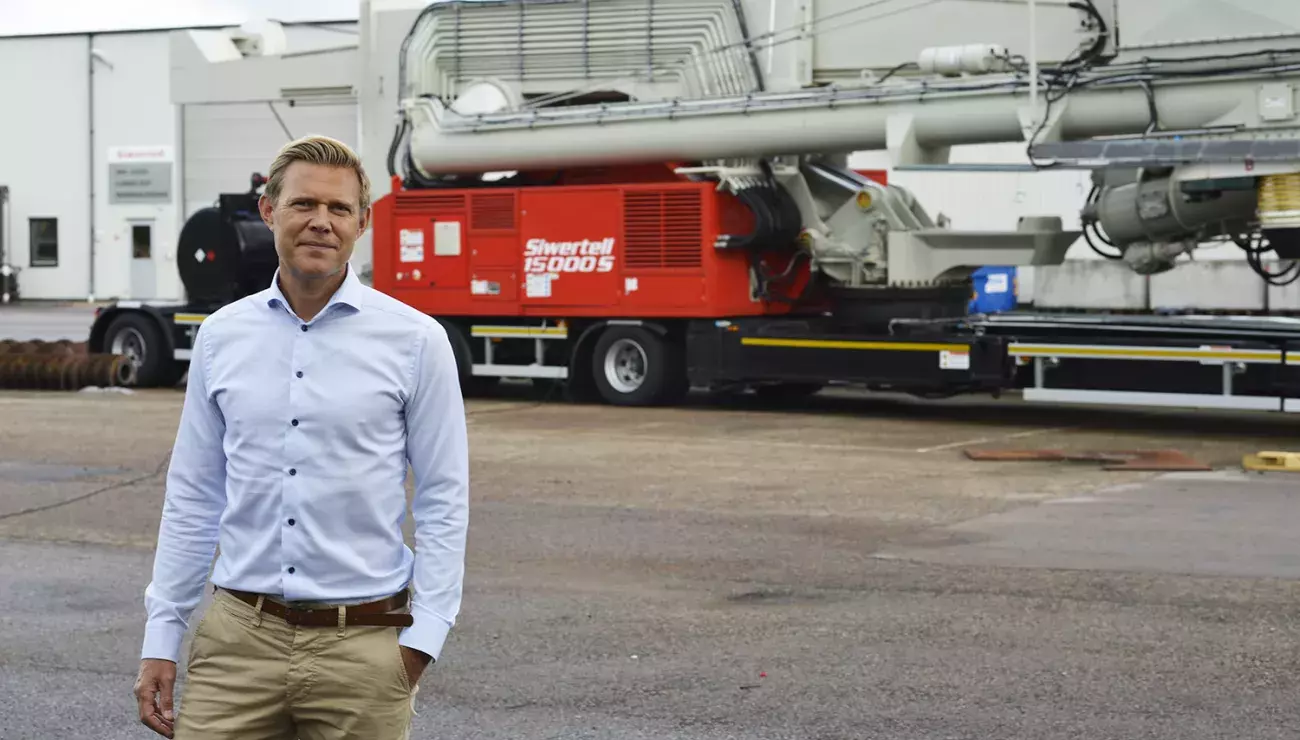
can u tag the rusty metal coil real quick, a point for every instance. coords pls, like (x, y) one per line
(64, 370)
(63, 347)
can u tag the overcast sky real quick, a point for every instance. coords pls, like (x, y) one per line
(32, 17)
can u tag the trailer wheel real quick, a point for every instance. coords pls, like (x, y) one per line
(138, 338)
(470, 384)
(633, 366)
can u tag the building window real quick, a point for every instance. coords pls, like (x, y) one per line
(44, 242)
(142, 241)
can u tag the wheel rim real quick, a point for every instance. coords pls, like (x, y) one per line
(625, 366)
(130, 343)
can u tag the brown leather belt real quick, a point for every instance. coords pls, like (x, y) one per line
(369, 614)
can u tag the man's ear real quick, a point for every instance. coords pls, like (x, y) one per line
(364, 223)
(267, 209)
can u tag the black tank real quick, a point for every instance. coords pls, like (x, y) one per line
(226, 251)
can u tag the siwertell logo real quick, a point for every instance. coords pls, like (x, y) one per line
(586, 255)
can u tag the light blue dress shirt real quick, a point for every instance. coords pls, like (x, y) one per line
(292, 454)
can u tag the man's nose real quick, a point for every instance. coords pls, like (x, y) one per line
(319, 221)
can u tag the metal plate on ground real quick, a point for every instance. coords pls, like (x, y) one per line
(1143, 460)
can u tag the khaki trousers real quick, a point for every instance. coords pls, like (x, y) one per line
(253, 676)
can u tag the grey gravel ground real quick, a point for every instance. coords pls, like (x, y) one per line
(26, 321)
(727, 571)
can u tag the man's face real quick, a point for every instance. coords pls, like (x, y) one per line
(316, 220)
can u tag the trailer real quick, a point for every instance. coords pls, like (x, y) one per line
(1208, 362)
(225, 253)
(637, 198)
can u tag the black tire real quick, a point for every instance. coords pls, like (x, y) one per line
(470, 385)
(633, 366)
(141, 339)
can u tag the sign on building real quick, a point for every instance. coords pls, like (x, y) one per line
(140, 175)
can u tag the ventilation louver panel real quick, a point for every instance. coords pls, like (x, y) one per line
(493, 212)
(430, 203)
(662, 228)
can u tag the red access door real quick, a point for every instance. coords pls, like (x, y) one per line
(431, 252)
(571, 241)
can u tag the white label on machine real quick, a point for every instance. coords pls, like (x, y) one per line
(412, 245)
(954, 359)
(199, 255)
(629, 285)
(446, 238)
(538, 285)
(996, 283)
(484, 287)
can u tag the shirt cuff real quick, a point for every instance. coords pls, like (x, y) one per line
(427, 634)
(162, 640)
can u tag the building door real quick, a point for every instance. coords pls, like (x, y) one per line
(144, 276)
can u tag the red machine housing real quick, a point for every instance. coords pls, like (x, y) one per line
(583, 248)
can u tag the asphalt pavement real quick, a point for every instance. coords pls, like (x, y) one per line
(725, 570)
(50, 322)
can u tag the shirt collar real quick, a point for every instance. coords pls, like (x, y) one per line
(350, 293)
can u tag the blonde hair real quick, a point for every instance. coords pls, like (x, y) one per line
(321, 150)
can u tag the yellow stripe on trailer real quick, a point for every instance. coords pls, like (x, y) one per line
(512, 332)
(1145, 353)
(854, 344)
(189, 319)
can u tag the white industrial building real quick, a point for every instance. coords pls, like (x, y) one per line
(102, 168)
(113, 136)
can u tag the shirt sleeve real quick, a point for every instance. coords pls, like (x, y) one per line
(438, 450)
(194, 500)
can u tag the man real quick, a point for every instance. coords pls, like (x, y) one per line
(305, 403)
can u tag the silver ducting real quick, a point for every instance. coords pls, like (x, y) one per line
(815, 121)
(695, 47)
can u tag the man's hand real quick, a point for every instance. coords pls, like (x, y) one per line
(153, 692)
(415, 662)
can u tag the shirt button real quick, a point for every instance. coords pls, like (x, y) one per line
(294, 422)
(293, 471)
(299, 373)
(304, 327)
(290, 522)
(291, 569)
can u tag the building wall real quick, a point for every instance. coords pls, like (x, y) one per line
(135, 126)
(56, 168)
(45, 158)
(225, 143)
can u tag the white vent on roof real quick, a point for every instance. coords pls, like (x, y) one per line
(260, 38)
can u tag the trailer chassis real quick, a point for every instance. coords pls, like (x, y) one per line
(1215, 362)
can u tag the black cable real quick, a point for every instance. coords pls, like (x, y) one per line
(1151, 108)
(1255, 249)
(1099, 43)
(896, 69)
(1088, 229)
(401, 81)
(393, 145)
(759, 83)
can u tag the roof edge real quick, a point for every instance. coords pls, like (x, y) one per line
(163, 29)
